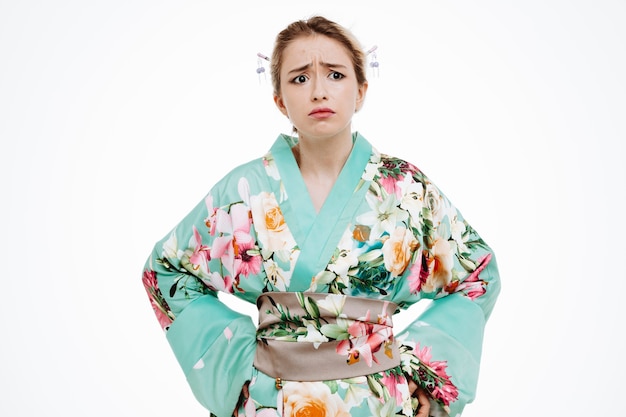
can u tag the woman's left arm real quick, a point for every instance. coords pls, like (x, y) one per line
(454, 266)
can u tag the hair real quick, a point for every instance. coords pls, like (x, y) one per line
(317, 25)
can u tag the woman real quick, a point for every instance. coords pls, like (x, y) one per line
(329, 238)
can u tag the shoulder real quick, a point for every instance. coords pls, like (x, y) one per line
(252, 171)
(391, 167)
(256, 171)
(388, 165)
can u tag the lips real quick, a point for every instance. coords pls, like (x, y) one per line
(321, 113)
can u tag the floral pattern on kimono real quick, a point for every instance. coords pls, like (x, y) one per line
(385, 232)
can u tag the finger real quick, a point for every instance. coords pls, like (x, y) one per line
(424, 407)
(245, 394)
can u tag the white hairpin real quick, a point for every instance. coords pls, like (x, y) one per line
(373, 60)
(260, 68)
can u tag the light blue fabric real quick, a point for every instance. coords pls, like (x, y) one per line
(385, 232)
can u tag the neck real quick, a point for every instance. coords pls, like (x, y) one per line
(323, 158)
(320, 162)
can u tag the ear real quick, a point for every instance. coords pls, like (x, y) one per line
(278, 100)
(360, 97)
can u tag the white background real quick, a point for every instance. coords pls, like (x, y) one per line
(117, 116)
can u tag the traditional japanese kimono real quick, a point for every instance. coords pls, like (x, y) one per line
(327, 285)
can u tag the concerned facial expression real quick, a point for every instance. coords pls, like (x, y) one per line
(319, 90)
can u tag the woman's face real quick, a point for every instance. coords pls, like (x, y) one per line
(319, 92)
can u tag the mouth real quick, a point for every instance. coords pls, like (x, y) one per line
(321, 112)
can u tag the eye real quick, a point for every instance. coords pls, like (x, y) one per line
(336, 75)
(300, 79)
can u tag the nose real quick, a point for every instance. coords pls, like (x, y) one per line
(318, 92)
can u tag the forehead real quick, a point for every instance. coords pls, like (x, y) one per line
(309, 49)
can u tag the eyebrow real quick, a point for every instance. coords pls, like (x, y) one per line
(309, 65)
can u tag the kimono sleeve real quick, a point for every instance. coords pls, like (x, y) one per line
(457, 269)
(213, 344)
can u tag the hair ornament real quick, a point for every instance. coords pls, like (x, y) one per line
(260, 70)
(373, 64)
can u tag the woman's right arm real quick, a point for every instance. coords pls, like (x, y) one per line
(214, 345)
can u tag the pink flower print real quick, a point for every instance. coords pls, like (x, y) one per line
(246, 263)
(201, 254)
(423, 355)
(159, 305)
(444, 390)
(200, 258)
(355, 349)
(363, 327)
(472, 286)
(149, 279)
(390, 184)
(475, 291)
(447, 392)
(417, 276)
(365, 340)
(482, 264)
(218, 283)
(235, 233)
(394, 171)
(392, 381)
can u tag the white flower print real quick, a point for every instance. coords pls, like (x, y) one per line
(345, 259)
(170, 247)
(383, 217)
(333, 303)
(276, 275)
(312, 335)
